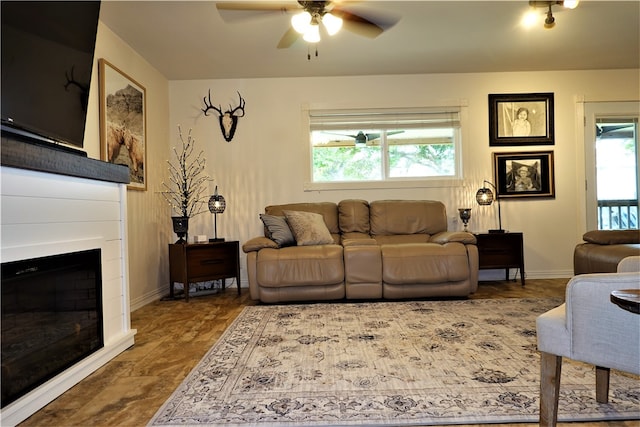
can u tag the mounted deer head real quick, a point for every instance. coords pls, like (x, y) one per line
(84, 88)
(228, 119)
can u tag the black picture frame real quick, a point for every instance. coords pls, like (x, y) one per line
(536, 129)
(524, 175)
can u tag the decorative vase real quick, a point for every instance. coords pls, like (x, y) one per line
(181, 227)
(465, 216)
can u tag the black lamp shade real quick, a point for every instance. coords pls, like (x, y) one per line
(484, 196)
(217, 204)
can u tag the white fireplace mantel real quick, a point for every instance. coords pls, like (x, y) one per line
(46, 213)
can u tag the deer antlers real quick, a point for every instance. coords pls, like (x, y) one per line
(228, 119)
(84, 88)
(230, 111)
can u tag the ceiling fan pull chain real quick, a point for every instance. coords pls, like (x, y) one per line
(309, 52)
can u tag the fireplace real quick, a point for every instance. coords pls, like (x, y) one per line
(51, 318)
(55, 203)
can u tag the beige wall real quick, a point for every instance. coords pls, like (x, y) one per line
(149, 226)
(266, 161)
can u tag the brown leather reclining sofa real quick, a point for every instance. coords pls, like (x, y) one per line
(602, 250)
(388, 249)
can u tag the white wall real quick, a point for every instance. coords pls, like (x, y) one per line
(266, 161)
(149, 222)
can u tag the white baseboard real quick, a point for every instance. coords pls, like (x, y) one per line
(161, 292)
(148, 298)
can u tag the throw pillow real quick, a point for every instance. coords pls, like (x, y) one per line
(278, 230)
(308, 228)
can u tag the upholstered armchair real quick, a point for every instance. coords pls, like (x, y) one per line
(589, 328)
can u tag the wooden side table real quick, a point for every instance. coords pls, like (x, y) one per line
(501, 250)
(201, 262)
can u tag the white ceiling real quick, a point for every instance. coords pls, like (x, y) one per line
(188, 40)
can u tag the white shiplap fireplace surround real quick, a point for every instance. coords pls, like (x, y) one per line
(55, 202)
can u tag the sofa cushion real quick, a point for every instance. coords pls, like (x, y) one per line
(599, 258)
(407, 217)
(300, 266)
(424, 263)
(328, 210)
(353, 216)
(308, 228)
(278, 230)
(395, 239)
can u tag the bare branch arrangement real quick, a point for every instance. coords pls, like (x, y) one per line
(187, 187)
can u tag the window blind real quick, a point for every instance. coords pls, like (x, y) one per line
(320, 120)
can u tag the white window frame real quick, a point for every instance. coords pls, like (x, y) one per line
(422, 182)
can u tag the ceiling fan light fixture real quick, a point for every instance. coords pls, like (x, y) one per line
(312, 35)
(530, 18)
(550, 21)
(301, 22)
(332, 23)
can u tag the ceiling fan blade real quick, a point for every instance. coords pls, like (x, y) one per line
(288, 38)
(243, 11)
(370, 26)
(257, 5)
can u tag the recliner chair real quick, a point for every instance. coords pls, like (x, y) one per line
(589, 328)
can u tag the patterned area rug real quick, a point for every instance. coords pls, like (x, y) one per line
(385, 363)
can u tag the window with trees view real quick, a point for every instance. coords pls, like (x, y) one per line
(384, 145)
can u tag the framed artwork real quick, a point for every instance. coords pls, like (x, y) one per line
(520, 175)
(123, 124)
(521, 119)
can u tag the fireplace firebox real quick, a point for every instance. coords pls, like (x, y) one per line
(51, 318)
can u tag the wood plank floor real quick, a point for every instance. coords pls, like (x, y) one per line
(172, 338)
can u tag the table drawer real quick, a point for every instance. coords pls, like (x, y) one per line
(211, 262)
(499, 258)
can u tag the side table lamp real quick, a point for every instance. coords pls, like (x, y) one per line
(217, 205)
(484, 197)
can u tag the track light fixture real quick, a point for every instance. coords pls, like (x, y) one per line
(550, 20)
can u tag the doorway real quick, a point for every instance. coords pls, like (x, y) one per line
(612, 158)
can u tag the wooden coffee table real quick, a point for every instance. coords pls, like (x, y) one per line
(627, 299)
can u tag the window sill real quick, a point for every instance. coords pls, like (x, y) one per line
(373, 185)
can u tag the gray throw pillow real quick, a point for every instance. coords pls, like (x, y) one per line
(278, 230)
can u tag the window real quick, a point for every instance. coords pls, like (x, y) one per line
(365, 146)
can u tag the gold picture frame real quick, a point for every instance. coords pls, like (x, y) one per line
(123, 124)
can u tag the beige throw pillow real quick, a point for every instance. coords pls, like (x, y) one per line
(308, 228)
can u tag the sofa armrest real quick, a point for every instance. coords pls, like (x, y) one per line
(258, 243)
(596, 325)
(612, 237)
(453, 236)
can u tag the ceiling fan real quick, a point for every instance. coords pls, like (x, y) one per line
(308, 15)
(362, 138)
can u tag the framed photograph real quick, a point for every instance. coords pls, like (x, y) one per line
(521, 119)
(123, 124)
(519, 175)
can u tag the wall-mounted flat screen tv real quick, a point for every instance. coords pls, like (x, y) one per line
(47, 60)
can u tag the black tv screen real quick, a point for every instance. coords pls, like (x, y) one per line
(47, 59)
